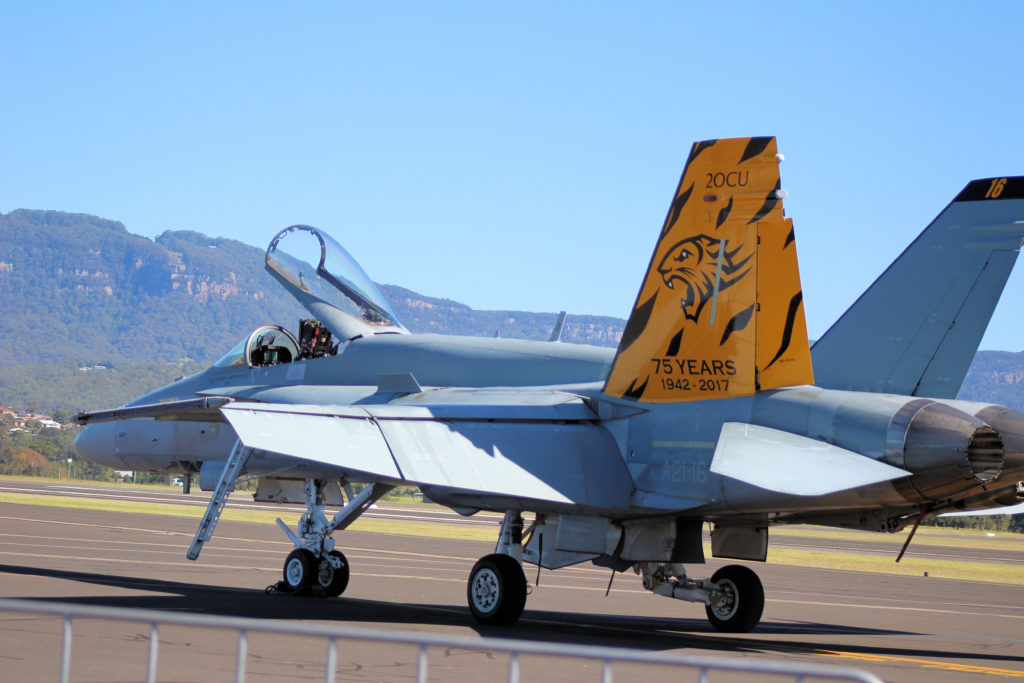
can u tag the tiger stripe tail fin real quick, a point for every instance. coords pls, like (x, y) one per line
(720, 311)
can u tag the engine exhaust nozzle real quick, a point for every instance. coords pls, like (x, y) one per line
(950, 452)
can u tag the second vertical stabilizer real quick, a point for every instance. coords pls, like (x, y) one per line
(917, 328)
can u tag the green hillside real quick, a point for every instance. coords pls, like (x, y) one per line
(92, 316)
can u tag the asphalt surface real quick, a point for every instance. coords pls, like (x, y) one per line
(848, 541)
(900, 628)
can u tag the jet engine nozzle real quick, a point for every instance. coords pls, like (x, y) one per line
(1010, 425)
(950, 452)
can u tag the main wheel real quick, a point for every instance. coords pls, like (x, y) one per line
(496, 590)
(298, 570)
(332, 580)
(737, 605)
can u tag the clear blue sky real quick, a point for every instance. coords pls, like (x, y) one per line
(514, 155)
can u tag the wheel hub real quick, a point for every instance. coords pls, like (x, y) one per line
(485, 590)
(325, 573)
(724, 602)
(294, 571)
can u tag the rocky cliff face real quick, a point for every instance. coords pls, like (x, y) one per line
(77, 286)
(996, 377)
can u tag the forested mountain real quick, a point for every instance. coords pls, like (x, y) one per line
(80, 287)
(996, 377)
(92, 315)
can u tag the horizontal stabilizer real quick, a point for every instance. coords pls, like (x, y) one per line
(787, 463)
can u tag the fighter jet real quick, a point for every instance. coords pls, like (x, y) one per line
(714, 409)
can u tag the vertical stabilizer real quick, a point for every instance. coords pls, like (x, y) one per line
(720, 310)
(917, 328)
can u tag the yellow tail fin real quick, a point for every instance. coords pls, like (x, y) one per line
(720, 312)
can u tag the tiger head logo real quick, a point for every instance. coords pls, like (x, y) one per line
(691, 266)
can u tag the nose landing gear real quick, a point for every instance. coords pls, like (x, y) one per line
(315, 567)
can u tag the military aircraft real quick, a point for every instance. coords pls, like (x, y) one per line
(714, 409)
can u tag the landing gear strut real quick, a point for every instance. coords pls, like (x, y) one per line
(733, 597)
(497, 589)
(315, 567)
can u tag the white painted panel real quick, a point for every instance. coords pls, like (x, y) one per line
(344, 440)
(780, 461)
(442, 454)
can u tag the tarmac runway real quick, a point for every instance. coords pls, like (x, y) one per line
(841, 541)
(900, 628)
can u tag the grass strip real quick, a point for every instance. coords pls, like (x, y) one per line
(937, 536)
(909, 566)
(427, 529)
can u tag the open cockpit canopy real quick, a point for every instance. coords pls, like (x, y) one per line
(325, 279)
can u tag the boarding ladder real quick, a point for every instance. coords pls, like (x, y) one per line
(235, 462)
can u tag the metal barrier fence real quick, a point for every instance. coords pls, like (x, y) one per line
(332, 634)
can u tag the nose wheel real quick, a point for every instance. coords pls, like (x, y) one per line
(298, 571)
(304, 572)
(497, 590)
(332, 574)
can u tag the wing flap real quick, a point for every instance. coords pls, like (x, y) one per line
(797, 465)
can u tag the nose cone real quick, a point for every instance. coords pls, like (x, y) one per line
(96, 443)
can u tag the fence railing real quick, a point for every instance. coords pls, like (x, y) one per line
(515, 649)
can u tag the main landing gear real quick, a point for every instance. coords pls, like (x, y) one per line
(315, 567)
(497, 588)
(733, 597)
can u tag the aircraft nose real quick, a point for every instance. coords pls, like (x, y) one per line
(96, 443)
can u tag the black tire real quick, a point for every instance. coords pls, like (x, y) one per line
(740, 600)
(332, 580)
(299, 571)
(496, 591)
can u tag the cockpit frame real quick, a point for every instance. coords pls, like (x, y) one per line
(336, 289)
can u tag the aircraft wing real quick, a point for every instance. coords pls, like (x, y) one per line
(554, 452)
